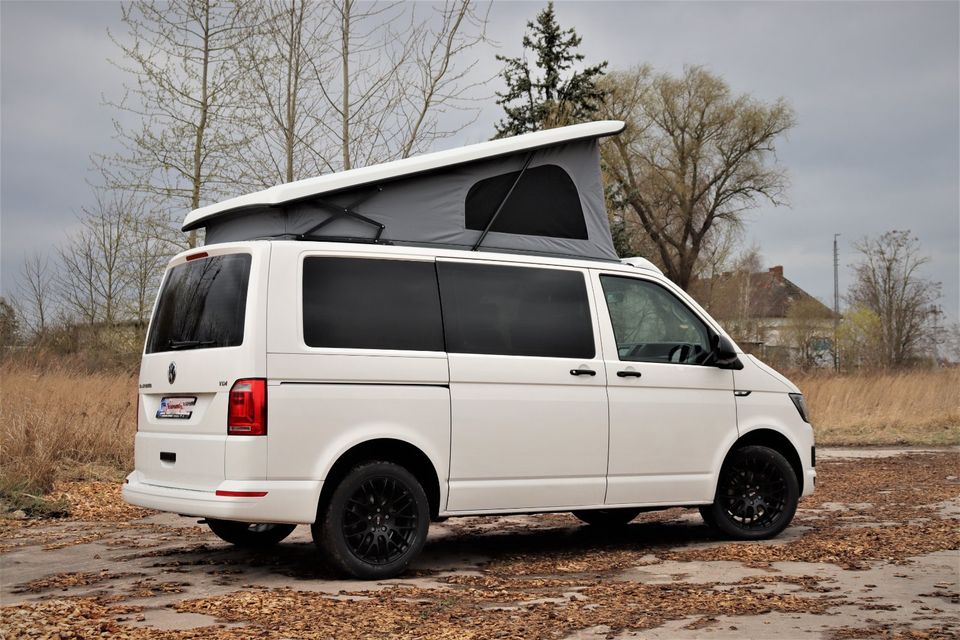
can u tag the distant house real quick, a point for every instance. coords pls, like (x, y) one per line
(770, 316)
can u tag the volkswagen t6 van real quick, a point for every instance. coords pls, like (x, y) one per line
(369, 387)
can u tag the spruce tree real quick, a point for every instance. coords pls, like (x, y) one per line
(552, 94)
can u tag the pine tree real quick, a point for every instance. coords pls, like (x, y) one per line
(559, 96)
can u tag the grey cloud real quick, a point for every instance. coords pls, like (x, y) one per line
(875, 87)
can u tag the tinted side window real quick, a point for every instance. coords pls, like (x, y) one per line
(202, 305)
(371, 304)
(651, 324)
(515, 311)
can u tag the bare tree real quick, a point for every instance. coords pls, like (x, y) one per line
(860, 339)
(950, 350)
(34, 294)
(283, 106)
(888, 282)
(369, 57)
(744, 315)
(437, 80)
(145, 254)
(229, 94)
(387, 72)
(182, 55)
(93, 279)
(108, 225)
(76, 278)
(9, 324)
(809, 324)
(692, 159)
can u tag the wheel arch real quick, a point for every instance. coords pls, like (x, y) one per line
(400, 452)
(773, 439)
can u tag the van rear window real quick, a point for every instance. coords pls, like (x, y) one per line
(202, 305)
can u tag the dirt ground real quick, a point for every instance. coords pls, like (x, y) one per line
(875, 553)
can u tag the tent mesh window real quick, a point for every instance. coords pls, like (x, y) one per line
(544, 203)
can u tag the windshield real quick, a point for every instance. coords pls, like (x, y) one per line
(202, 305)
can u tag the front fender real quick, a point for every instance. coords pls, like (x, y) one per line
(771, 418)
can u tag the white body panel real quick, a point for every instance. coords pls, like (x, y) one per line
(527, 434)
(200, 443)
(503, 433)
(667, 431)
(668, 426)
(764, 408)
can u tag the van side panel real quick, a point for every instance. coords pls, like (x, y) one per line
(323, 401)
(768, 407)
(668, 423)
(312, 424)
(529, 432)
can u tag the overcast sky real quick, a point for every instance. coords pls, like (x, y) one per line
(876, 88)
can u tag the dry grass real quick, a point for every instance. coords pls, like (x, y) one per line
(908, 407)
(60, 423)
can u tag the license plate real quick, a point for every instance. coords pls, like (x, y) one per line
(177, 407)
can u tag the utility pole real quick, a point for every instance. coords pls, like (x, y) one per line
(836, 304)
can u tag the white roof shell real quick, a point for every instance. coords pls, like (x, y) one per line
(402, 168)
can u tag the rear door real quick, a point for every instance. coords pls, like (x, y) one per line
(202, 338)
(528, 402)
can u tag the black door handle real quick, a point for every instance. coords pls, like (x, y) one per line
(582, 372)
(628, 374)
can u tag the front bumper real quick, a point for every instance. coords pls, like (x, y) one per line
(810, 482)
(286, 501)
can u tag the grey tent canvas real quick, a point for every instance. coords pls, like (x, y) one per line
(536, 193)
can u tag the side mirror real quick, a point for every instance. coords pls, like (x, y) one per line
(724, 355)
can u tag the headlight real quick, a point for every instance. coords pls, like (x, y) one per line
(801, 405)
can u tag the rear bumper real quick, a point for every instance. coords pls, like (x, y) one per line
(286, 501)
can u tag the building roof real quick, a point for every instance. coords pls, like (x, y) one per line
(388, 171)
(769, 294)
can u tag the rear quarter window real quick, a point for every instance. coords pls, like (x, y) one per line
(202, 305)
(356, 303)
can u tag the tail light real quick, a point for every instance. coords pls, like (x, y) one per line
(247, 415)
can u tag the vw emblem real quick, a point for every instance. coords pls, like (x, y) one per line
(172, 372)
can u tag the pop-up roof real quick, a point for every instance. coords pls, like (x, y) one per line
(535, 193)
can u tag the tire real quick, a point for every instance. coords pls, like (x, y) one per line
(374, 523)
(757, 495)
(707, 514)
(250, 535)
(607, 518)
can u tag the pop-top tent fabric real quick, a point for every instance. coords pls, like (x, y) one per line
(536, 193)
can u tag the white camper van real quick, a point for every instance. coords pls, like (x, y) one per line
(448, 335)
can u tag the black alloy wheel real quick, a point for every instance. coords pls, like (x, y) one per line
(757, 494)
(250, 535)
(380, 520)
(375, 522)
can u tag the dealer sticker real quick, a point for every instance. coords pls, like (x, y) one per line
(178, 407)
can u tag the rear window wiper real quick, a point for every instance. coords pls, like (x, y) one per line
(175, 345)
